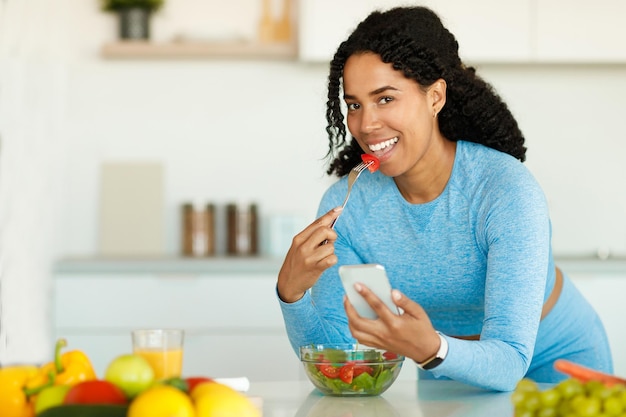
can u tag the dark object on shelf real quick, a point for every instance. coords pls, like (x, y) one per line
(134, 16)
(198, 230)
(134, 24)
(231, 229)
(253, 230)
(242, 230)
(210, 229)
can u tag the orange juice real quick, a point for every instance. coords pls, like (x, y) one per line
(166, 363)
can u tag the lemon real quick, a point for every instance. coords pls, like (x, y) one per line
(213, 399)
(161, 401)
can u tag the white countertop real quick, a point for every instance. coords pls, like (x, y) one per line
(402, 399)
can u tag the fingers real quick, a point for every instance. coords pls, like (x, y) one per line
(331, 215)
(381, 309)
(370, 331)
(320, 231)
(408, 333)
(407, 306)
(358, 325)
(325, 220)
(306, 260)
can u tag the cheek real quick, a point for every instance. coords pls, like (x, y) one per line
(417, 121)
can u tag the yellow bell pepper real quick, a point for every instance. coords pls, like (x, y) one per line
(14, 398)
(68, 368)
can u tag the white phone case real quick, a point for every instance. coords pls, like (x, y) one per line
(372, 276)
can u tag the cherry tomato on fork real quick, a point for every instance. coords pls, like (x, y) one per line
(366, 157)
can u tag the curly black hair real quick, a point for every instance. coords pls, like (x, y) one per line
(414, 41)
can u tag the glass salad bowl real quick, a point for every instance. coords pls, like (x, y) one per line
(349, 369)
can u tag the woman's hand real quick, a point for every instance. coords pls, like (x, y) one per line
(307, 258)
(410, 334)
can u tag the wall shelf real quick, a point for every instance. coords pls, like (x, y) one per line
(199, 50)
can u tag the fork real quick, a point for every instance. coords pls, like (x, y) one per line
(352, 177)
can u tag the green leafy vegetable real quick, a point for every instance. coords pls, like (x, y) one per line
(359, 372)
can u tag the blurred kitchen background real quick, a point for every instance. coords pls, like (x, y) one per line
(103, 141)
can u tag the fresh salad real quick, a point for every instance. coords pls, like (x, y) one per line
(361, 372)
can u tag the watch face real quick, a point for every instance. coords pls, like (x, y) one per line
(432, 364)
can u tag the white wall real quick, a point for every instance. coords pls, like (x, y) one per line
(573, 118)
(32, 103)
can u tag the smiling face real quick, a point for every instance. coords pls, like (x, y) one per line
(392, 117)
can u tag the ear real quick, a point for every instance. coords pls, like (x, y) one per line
(437, 95)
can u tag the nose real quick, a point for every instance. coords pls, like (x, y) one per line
(369, 119)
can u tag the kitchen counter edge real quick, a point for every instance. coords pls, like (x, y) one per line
(266, 265)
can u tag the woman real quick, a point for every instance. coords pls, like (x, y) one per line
(457, 220)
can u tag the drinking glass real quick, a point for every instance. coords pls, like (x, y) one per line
(162, 348)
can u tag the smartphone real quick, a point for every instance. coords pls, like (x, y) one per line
(374, 277)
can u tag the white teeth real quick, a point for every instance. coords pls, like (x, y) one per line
(383, 145)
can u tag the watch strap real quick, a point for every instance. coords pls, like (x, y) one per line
(438, 357)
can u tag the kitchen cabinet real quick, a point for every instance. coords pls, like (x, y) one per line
(489, 30)
(603, 283)
(227, 308)
(580, 31)
(230, 314)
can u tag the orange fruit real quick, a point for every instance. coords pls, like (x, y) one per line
(161, 401)
(213, 399)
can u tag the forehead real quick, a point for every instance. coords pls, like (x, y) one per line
(366, 72)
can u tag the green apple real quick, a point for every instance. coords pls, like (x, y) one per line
(50, 397)
(132, 373)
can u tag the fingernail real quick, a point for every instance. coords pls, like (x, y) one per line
(338, 208)
(358, 287)
(396, 295)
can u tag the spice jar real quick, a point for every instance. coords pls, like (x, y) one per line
(242, 230)
(210, 229)
(253, 220)
(198, 231)
(231, 229)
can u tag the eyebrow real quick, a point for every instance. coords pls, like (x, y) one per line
(373, 93)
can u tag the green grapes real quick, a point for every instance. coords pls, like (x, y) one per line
(569, 398)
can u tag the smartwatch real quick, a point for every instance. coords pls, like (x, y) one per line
(438, 357)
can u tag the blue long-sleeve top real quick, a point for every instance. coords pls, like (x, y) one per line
(477, 258)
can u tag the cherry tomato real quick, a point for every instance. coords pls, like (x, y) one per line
(95, 392)
(329, 371)
(346, 373)
(195, 380)
(322, 360)
(366, 157)
(362, 369)
(390, 356)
